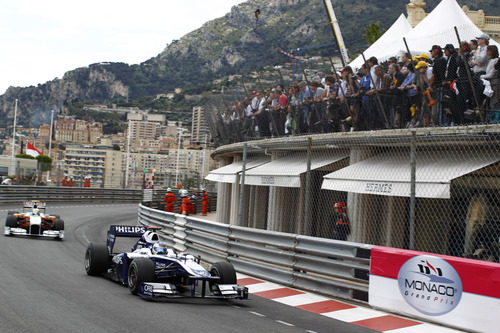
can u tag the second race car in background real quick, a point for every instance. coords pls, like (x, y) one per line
(33, 222)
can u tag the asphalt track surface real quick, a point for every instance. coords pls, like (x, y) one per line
(44, 288)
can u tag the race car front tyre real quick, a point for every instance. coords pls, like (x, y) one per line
(225, 271)
(59, 225)
(140, 270)
(11, 221)
(97, 260)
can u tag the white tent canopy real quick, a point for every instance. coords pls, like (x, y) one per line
(388, 45)
(286, 171)
(389, 173)
(437, 28)
(228, 173)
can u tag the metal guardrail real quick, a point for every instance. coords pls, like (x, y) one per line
(325, 266)
(19, 193)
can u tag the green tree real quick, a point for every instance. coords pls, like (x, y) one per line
(25, 156)
(373, 32)
(189, 183)
(45, 162)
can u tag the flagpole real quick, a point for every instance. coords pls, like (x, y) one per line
(13, 161)
(50, 139)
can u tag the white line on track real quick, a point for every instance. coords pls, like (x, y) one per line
(284, 323)
(309, 331)
(257, 314)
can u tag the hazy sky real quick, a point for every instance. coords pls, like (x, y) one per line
(41, 40)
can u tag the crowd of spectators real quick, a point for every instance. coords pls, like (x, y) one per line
(447, 86)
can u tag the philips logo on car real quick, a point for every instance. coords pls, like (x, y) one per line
(126, 229)
(430, 285)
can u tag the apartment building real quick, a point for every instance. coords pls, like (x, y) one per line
(199, 127)
(101, 164)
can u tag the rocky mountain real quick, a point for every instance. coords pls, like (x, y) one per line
(232, 44)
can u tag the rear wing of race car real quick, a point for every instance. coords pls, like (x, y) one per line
(125, 231)
(34, 204)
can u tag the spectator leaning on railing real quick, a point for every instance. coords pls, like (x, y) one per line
(433, 90)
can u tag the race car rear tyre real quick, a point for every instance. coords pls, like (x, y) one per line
(225, 271)
(57, 216)
(11, 212)
(11, 221)
(59, 225)
(140, 270)
(97, 260)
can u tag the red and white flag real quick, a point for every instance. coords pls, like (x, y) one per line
(31, 150)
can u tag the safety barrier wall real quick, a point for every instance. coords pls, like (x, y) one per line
(432, 287)
(320, 265)
(16, 194)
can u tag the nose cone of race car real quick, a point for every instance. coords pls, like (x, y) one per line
(35, 220)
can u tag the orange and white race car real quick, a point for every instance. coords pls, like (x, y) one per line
(32, 222)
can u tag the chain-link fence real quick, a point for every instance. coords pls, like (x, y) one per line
(433, 190)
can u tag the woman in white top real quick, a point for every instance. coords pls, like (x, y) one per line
(491, 72)
(492, 75)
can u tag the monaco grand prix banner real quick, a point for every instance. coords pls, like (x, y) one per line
(458, 292)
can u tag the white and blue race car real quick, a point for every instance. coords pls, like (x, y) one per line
(33, 221)
(153, 270)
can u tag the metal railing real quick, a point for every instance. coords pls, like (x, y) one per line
(16, 194)
(329, 267)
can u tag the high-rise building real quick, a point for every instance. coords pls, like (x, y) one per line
(80, 132)
(63, 130)
(76, 131)
(144, 126)
(44, 131)
(199, 127)
(102, 164)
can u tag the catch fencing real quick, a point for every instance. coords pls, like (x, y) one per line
(434, 190)
(325, 266)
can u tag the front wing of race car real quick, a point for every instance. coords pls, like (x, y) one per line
(59, 234)
(168, 290)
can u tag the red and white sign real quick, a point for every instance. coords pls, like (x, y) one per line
(458, 292)
(31, 150)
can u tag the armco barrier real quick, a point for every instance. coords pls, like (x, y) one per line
(17, 194)
(320, 265)
(451, 291)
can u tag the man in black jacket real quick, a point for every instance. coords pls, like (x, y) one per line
(450, 103)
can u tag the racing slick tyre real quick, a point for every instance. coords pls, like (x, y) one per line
(11, 212)
(57, 216)
(59, 225)
(140, 270)
(11, 221)
(225, 271)
(97, 260)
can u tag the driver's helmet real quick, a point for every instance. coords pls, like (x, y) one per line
(36, 211)
(160, 248)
